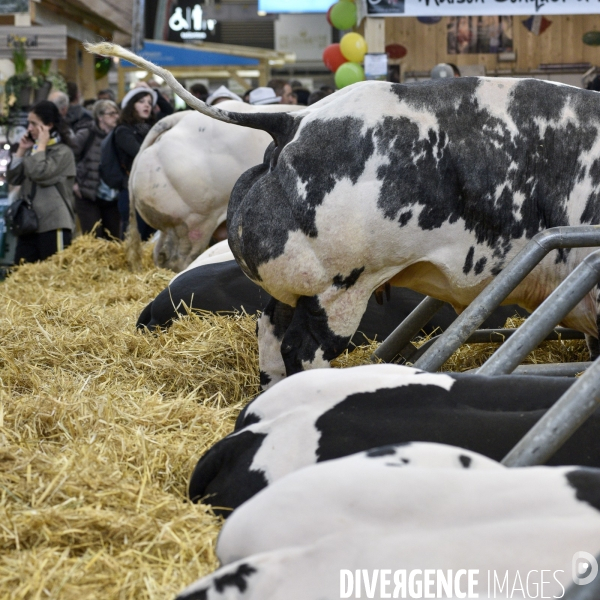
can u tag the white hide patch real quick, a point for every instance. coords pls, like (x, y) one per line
(494, 95)
(366, 494)
(270, 360)
(215, 254)
(289, 410)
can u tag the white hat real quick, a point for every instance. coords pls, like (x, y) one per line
(264, 95)
(222, 92)
(138, 90)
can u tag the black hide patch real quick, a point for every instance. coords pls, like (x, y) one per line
(473, 167)
(586, 483)
(309, 331)
(481, 414)
(465, 461)
(223, 474)
(381, 451)
(237, 579)
(347, 282)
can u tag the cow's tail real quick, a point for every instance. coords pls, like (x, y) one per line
(278, 125)
(133, 240)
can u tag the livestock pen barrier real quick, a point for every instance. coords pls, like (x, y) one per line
(582, 398)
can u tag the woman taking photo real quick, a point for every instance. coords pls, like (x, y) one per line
(136, 120)
(44, 167)
(95, 202)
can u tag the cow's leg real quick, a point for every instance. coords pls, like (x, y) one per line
(270, 330)
(322, 328)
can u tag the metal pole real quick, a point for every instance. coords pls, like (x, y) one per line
(548, 370)
(491, 297)
(556, 306)
(138, 25)
(559, 423)
(406, 331)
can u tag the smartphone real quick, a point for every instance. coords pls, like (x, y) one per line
(30, 137)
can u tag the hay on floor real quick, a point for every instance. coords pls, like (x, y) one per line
(101, 426)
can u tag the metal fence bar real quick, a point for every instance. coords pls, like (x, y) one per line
(548, 370)
(541, 322)
(407, 330)
(488, 336)
(560, 422)
(491, 297)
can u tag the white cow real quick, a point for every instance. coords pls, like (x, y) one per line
(182, 177)
(425, 509)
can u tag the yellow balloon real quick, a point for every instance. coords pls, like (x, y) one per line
(354, 47)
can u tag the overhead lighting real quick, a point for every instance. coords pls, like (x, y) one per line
(248, 73)
(262, 13)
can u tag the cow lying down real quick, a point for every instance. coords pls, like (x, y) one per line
(214, 282)
(403, 508)
(325, 414)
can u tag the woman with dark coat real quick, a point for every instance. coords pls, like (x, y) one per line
(94, 200)
(135, 123)
(44, 167)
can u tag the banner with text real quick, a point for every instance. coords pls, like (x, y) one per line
(459, 8)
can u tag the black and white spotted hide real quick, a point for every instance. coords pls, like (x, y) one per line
(329, 413)
(421, 506)
(434, 186)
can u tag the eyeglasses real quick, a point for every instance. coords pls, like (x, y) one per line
(110, 114)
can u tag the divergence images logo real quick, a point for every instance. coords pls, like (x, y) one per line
(585, 568)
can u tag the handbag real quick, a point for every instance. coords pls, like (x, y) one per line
(20, 217)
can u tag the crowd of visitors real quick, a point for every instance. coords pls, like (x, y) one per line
(59, 161)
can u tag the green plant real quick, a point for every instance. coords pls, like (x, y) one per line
(19, 54)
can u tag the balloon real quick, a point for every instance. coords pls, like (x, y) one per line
(333, 57)
(348, 73)
(329, 15)
(343, 15)
(353, 47)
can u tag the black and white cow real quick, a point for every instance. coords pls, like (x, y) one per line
(377, 511)
(217, 284)
(326, 414)
(434, 186)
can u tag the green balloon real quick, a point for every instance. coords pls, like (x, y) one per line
(348, 73)
(591, 38)
(343, 15)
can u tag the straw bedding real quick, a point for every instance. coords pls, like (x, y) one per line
(101, 426)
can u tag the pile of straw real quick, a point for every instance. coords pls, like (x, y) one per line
(101, 426)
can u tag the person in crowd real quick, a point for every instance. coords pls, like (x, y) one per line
(246, 96)
(44, 167)
(137, 118)
(264, 95)
(220, 94)
(316, 96)
(455, 69)
(200, 91)
(77, 116)
(282, 89)
(301, 95)
(89, 104)
(95, 202)
(163, 106)
(61, 100)
(106, 94)
(327, 89)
